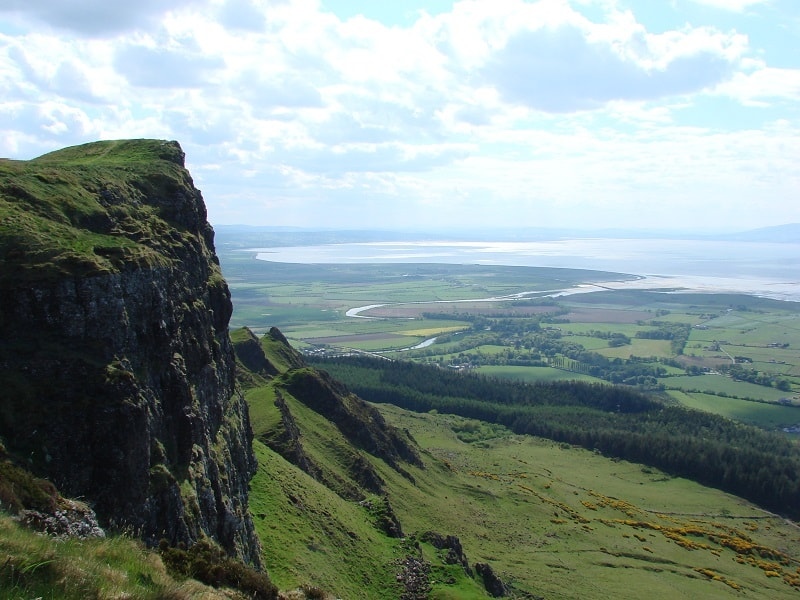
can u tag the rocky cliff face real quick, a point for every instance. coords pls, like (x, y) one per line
(116, 368)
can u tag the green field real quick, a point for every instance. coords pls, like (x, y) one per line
(769, 416)
(567, 523)
(524, 337)
(720, 385)
(642, 348)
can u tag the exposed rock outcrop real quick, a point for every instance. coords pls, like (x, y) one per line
(455, 552)
(414, 577)
(385, 518)
(70, 519)
(286, 441)
(115, 359)
(493, 584)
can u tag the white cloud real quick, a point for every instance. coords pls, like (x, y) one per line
(153, 66)
(764, 85)
(528, 107)
(732, 5)
(286, 89)
(559, 70)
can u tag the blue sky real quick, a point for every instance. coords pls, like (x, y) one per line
(674, 114)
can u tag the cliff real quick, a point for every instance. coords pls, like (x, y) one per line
(116, 368)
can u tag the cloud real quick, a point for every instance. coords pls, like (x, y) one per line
(560, 70)
(352, 128)
(159, 67)
(242, 14)
(732, 5)
(764, 85)
(47, 125)
(204, 128)
(36, 69)
(473, 114)
(93, 17)
(72, 81)
(494, 112)
(374, 158)
(265, 91)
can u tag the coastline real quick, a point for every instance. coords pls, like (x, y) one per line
(757, 269)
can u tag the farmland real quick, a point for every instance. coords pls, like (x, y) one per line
(735, 355)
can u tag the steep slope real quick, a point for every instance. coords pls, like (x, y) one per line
(116, 366)
(326, 463)
(288, 385)
(489, 512)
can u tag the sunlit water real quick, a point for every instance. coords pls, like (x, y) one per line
(763, 269)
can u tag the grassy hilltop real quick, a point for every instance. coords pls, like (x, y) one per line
(64, 212)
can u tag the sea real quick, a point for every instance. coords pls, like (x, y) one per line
(770, 270)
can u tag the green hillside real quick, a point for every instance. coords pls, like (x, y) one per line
(320, 499)
(552, 520)
(335, 520)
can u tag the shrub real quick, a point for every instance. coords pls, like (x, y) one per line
(209, 564)
(312, 592)
(19, 490)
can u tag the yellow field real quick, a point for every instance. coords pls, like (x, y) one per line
(432, 331)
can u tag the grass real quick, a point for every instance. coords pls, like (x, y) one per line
(264, 415)
(561, 522)
(761, 414)
(552, 520)
(434, 329)
(385, 344)
(37, 566)
(581, 328)
(720, 384)
(61, 213)
(312, 536)
(640, 347)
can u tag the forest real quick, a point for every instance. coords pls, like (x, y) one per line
(617, 421)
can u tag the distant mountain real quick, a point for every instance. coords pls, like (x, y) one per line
(789, 233)
(246, 236)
